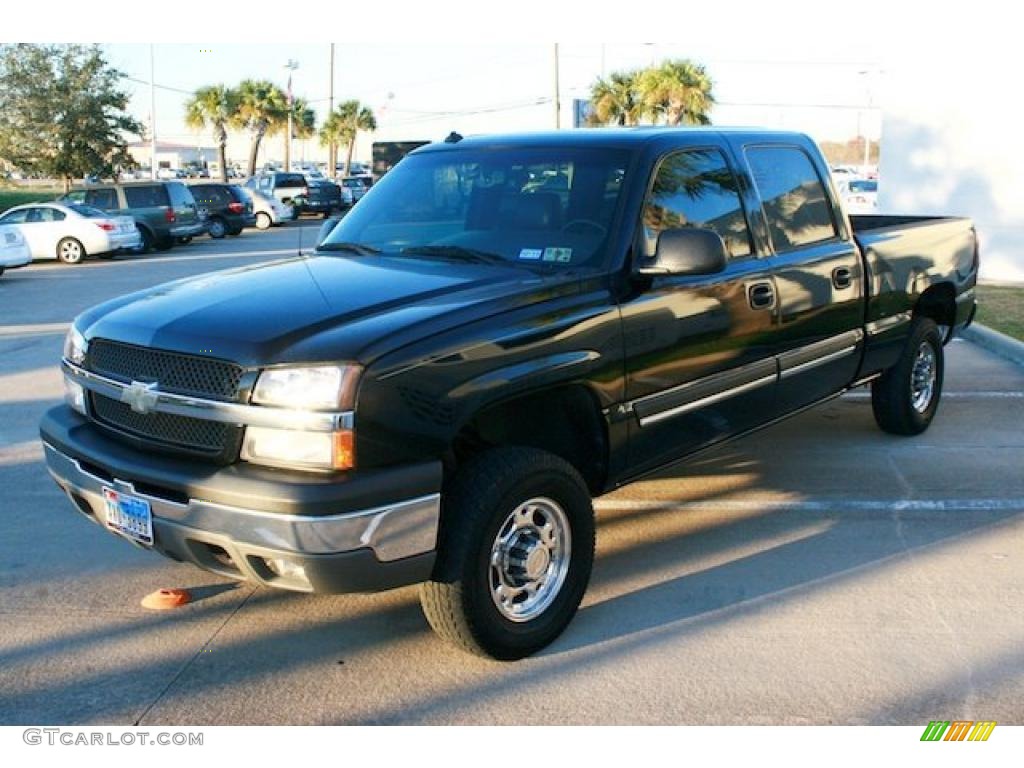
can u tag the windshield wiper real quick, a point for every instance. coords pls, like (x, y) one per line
(358, 248)
(456, 252)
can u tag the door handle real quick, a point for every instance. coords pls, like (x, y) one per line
(842, 277)
(761, 296)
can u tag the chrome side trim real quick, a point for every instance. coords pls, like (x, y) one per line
(810, 364)
(887, 323)
(394, 531)
(217, 410)
(705, 401)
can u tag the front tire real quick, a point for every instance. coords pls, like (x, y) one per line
(70, 251)
(515, 553)
(905, 398)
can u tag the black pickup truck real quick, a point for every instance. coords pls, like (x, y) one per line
(502, 329)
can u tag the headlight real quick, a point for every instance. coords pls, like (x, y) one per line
(75, 346)
(323, 388)
(298, 449)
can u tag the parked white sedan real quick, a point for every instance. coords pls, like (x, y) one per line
(14, 250)
(72, 231)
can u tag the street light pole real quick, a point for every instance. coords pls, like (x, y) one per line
(291, 66)
(558, 100)
(152, 114)
(332, 149)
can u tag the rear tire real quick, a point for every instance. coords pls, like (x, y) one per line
(217, 229)
(164, 244)
(515, 552)
(263, 221)
(235, 232)
(905, 398)
(70, 251)
(147, 240)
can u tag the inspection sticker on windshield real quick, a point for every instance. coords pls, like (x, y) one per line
(533, 254)
(561, 255)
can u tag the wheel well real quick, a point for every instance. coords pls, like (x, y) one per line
(565, 421)
(938, 303)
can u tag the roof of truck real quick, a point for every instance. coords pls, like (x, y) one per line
(600, 137)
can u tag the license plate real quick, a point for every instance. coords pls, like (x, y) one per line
(129, 516)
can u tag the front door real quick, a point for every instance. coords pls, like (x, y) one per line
(698, 350)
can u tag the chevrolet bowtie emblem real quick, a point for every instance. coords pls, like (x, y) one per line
(141, 396)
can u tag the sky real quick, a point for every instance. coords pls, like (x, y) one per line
(423, 90)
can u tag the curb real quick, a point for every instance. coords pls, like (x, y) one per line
(994, 341)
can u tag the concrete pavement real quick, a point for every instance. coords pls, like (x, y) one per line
(818, 572)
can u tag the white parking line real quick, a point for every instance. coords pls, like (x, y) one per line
(821, 505)
(980, 395)
(34, 329)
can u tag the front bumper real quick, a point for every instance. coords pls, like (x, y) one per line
(351, 534)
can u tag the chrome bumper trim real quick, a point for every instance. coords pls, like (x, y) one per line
(215, 410)
(393, 532)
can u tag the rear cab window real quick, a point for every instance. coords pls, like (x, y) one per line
(793, 197)
(696, 188)
(290, 180)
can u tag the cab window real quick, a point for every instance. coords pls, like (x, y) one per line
(696, 188)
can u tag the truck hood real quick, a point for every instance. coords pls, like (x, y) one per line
(314, 309)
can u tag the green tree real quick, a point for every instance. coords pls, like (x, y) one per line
(215, 107)
(261, 108)
(303, 124)
(679, 92)
(342, 126)
(62, 111)
(617, 99)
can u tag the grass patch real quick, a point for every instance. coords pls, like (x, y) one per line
(1001, 307)
(12, 196)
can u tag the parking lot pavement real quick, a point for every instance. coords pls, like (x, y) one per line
(818, 572)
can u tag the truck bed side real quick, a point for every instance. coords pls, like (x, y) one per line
(914, 262)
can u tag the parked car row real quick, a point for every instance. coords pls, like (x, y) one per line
(138, 216)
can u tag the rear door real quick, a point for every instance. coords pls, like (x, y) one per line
(818, 278)
(699, 357)
(182, 203)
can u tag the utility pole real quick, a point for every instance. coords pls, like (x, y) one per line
(152, 114)
(291, 66)
(558, 99)
(332, 149)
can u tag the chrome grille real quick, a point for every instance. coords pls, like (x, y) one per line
(173, 371)
(214, 439)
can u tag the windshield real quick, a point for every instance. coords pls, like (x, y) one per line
(525, 206)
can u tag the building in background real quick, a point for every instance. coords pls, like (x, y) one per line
(949, 148)
(169, 155)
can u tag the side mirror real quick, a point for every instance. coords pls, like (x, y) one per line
(687, 251)
(326, 228)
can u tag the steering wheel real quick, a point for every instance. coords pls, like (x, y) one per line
(601, 229)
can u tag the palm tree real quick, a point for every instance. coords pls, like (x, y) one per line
(342, 126)
(618, 99)
(262, 105)
(679, 91)
(215, 107)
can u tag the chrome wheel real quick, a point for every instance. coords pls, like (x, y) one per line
(923, 377)
(530, 559)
